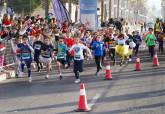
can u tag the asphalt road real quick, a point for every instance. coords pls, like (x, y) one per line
(130, 92)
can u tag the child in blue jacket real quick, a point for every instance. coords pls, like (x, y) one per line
(98, 47)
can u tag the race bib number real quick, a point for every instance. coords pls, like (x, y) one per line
(25, 56)
(47, 54)
(151, 40)
(77, 56)
(61, 56)
(38, 47)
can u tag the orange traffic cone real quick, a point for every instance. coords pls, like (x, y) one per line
(108, 75)
(155, 60)
(83, 105)
(138, 65)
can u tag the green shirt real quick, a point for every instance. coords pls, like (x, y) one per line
(150, 40)
(62, 52)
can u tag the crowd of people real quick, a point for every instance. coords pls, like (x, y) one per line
(43, 41)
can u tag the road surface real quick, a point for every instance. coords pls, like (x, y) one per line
(130, 92)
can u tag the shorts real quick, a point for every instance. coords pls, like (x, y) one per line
(36, 57)
(27, 62)
(78, 66)
(62, 61)
(45, 60)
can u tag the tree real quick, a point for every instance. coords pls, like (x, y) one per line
(23, 5)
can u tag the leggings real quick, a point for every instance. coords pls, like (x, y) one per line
(26, 62)
(77, 67)
(39, 64)
(151, 51)
(98, 62)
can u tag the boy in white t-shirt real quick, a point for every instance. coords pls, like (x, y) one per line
(78, 57)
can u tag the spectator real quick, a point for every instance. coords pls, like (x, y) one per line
(157, 27)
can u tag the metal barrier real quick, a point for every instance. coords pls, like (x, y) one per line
(7, 57)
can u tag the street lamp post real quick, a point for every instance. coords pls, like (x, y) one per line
(46, 7)
(110, 9)
(118, 8)
(137, 10)
(102, 10)
(30, 7)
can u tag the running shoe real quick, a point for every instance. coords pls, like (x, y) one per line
(47, 76)
(77, 81)
(21, 74)
(60, 77)
(30, 79)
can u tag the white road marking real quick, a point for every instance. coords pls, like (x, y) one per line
(94, 100)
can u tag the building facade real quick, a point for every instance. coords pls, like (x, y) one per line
(163, 9)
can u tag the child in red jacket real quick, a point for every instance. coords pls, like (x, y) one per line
(69, 41)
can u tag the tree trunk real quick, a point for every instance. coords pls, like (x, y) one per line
(46, 7)
(70, 7)
(102, 10)
(110, 8)
(118, 8)
(76, 14)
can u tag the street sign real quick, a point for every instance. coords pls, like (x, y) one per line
(88, 13)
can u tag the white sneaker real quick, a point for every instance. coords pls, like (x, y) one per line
(47, 77)
(77, 81)
(21, 74)
(130, 60)
(60, 76)
(30, 79)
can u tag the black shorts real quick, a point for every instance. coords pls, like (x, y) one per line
(78, 66)
(36, 57)
(62, 61)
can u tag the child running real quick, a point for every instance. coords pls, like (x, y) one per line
(98, 47)
(37, 51)
(26, 57)
(78, 57)
(47, 54)
(61, 56)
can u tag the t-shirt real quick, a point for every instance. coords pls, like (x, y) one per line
(150, 40)
(121, 41)
(25, 51)
(62, 51)
(48, 49)
(78, 51)
(69, 42)
(37, 46)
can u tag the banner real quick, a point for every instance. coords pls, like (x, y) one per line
(88, 13)
(60, 11)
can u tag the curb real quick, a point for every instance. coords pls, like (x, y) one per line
(3, 77)
(7, 73)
